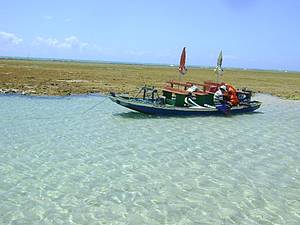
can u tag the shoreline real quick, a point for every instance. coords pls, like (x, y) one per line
(99, 94)
(33, 93)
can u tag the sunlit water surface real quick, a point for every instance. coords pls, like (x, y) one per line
(61, 163)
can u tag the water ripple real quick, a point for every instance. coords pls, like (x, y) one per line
(109, 165)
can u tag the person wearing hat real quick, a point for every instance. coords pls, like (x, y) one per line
(220, 99)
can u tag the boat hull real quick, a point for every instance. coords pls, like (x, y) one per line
(152, 108)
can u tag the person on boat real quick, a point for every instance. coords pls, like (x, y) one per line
(220, 99)
(232, 96)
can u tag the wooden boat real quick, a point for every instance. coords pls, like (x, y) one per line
(166, 110)
(201, 103)
(186, 98)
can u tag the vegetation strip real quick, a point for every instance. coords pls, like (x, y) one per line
(63, 78)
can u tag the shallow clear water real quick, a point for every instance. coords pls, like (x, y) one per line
(62, 164)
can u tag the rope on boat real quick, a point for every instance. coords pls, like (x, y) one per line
(89, 109)
(188, 101)
(56, 117)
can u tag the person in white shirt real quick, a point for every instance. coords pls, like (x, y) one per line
(220, 100)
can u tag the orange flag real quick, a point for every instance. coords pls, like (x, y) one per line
(182, 69)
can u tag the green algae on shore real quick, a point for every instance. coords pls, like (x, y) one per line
(72, 77)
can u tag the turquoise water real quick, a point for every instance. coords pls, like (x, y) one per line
(62, 164)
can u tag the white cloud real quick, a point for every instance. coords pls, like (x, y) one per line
(51, 42)
(71, 42)
(9, 38)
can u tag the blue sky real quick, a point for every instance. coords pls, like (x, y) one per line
(252, 33)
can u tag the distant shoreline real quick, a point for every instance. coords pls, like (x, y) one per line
(136, 63)
(61, 78)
